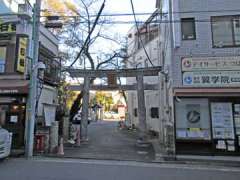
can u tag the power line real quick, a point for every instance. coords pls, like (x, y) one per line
(138, 30)
(142, 22)
(147, 13)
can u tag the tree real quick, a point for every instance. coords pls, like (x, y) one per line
(59, 8)
(103, 99)
(83, 35)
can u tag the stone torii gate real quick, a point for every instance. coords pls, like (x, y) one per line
(140, 87)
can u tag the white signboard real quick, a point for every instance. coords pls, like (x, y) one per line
(237, 118)
(193, 119)
(14, 119)
(49, 114)
(211, 63)
(222, 120)
(211, 78)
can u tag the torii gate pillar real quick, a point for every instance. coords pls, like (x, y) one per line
(85, 106)
(141, 109)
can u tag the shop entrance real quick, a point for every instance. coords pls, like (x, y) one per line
(14, 115)
(208, 125)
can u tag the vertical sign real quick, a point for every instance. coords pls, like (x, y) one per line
(237, 118)
(222, 121)
(3, 52)
(21, 57)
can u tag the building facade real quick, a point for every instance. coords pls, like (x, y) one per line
(203, 63)
(15, 69)
(149, 35)
(198, 101)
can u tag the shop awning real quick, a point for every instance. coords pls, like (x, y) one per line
(13, 87)
(206, 92)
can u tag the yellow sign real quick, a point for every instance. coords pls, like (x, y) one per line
(21, 58)
(195, 129)
(6, 27)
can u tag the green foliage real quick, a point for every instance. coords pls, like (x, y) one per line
(104, 99)
(65, 97)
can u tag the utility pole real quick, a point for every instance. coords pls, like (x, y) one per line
(33, 81)
(169, 125)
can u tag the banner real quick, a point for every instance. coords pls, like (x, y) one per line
(21, 57)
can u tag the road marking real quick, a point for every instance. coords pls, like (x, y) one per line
(136, 164)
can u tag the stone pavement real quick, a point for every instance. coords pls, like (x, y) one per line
(108, 142)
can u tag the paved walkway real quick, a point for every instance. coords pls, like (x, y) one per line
(107, 141)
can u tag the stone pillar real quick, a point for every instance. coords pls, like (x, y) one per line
(65, 128)
(54, 137)
(85, 106)
(141, 109)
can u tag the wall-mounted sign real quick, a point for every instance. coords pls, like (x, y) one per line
(21, 57)
(237, 118)
(192, 119)
(14, 119)
(222, 120)
(7, 27)
(9, 91)
(49, 114)
(211, 78)
(211, 63)
(221, 145)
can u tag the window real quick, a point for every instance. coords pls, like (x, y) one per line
(3, 52)
(236, 30)
(149, 31)
(146, 63)
(154, 112)
(226, 31)
(188, 29)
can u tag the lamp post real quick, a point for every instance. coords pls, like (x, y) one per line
(33, 81)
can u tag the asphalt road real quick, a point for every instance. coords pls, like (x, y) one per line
(108, 142)
(68, 169)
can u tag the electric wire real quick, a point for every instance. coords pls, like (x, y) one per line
(143, 22)
(138, 30)
(146, 13)
(89, 34)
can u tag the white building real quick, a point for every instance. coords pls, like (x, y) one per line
(149, 33)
